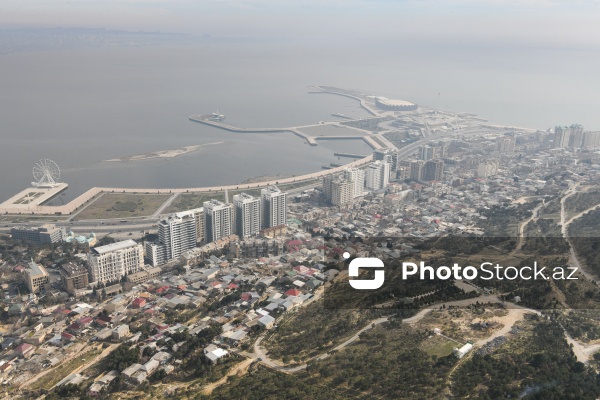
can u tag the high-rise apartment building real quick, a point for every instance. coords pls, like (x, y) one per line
(338, 190)
(568, 136)
(274, 207)
(111, 262)
(378, 175)
(416, 170)
(576, 137)
(357, 176)
(247, 215)
(591, 139)
(506, 144)
(198, 215)
(389, 156)
(433, 170)
(218, 220)
(176, 234)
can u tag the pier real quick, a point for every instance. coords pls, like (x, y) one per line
(349, 155)
(362, 102)
(341, 116)
(32, 198)
(202, 119)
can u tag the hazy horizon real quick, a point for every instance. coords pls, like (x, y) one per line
(523, 23)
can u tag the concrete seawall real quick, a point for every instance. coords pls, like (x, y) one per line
(309, 139)
(90, 194)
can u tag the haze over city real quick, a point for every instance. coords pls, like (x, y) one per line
(215, 199)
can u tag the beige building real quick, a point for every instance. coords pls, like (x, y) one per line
(45, 234)
(338, 191)
(36, 277)
(112, 262)
(144, 276)
(74, 277)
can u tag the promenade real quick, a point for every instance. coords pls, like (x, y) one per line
(73, 205)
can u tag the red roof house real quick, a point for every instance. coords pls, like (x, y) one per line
(138, 303)
(25, 350)
(293, 292)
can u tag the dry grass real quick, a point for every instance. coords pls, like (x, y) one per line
(123, 205)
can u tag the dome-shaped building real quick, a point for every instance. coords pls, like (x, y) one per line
(394, 105)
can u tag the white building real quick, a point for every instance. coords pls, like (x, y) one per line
(488, 168)
(274, 203)
(156, 253)
(198, 215)
(506, 144)
(357, 176)
(389, 156)
(218, 220)
(460, 353)
(378, 175)
(338, 190)
(113, 261)
(247, 215)
(176, 234)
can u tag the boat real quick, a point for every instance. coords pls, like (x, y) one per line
(216, 116)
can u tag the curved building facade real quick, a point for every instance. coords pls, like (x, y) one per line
(395, 105)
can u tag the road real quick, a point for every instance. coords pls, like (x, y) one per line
(581, 351)
(534, 216)
(564, 226)
(260, 354)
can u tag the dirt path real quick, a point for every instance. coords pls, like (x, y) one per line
(514, 315)
(259, 351)
(534, 216)
(239, 369)
(94, 360)
(564, 226)
(581, 351)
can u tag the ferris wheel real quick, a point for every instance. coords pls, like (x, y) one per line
(46, 173)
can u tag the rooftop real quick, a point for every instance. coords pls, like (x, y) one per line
(71, 268)
(115, 246)
(394, 102)
(35, 269)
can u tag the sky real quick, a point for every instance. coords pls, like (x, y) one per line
(540, 22)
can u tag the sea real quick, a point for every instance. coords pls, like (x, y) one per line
(82, 106)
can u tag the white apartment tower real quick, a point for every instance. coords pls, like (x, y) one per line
(247, 215)
(218, 220)
(176, 234)
(389, 156)
(505, 144)
(111, 262)
(342, 192)
(357, 176)
(274, 203)
(378, 175)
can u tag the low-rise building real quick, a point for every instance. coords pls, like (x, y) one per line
(74, 277)
(120, 332)
(25, 350)
(36, 277)
(144, 276)
(45, 234)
